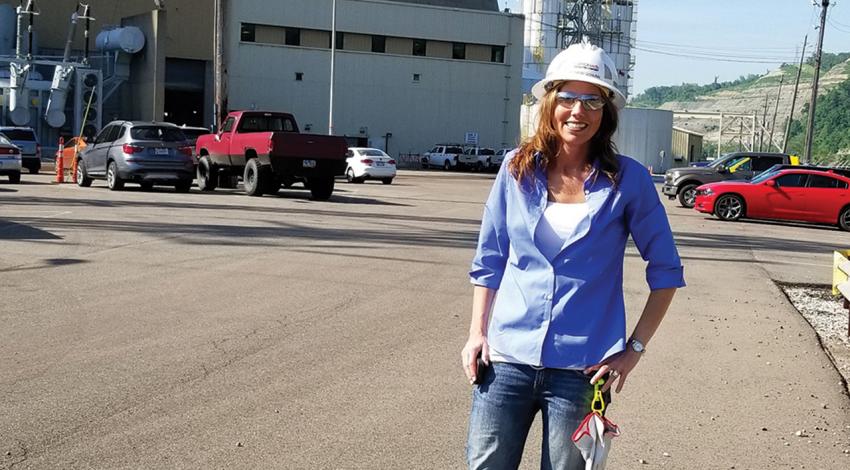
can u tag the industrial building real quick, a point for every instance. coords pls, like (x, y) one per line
(407, 74)
(553, 25)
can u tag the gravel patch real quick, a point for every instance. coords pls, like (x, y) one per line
(828, 317)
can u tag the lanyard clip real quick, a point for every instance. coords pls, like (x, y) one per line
(598, 404)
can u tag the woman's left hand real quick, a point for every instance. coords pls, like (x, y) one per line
(619, 365)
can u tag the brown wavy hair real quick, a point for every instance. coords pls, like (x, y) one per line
(547, 140)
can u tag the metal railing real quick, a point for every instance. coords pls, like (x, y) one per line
(841, 280)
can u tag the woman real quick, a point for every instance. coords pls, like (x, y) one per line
(552, 243)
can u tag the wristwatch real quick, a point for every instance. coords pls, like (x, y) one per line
(637, 346)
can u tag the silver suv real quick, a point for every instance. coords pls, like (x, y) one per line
(24, 138)
(146, 153)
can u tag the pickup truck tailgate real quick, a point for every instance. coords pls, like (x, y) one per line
(312, 146)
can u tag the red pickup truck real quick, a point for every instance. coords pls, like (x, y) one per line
(267, 151)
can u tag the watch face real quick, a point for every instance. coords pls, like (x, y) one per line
(637, 346)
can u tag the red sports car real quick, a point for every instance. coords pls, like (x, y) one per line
(806, 195)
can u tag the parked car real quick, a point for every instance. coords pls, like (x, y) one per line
(369, 163)
(73, 147)
(445, 156)
(192, 133)
(500, 157)
(805, 195)
(10, 160)
(682, 182)
(477, 158)
(24, 138)
(146, 153)
(268, 151)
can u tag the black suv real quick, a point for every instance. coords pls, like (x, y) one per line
(683, 182)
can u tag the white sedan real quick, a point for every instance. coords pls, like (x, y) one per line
(368, 163)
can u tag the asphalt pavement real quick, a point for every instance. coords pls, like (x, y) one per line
(162, 330)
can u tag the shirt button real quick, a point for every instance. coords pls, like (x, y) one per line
(548, 296)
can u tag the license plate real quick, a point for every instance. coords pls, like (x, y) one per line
(309, 163)
(379, 163)
(160, 151)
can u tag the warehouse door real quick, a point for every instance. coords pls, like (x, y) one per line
(184, 91)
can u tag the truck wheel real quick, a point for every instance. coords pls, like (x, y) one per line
(321, 187)
(387, 181)
(688, 195)
(207, 179)
(15, 178)
(446, 165)
(254, 178)
(83, 179)
(113, 181)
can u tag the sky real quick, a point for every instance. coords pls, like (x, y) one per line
(694, 41)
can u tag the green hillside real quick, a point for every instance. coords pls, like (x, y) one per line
(832, 117)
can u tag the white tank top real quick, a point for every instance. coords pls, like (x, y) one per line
(558, 224)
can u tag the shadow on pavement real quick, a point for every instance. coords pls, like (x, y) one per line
(278, 233)
(16, 231)
(221, 208)
(48, 263)
(751, 242)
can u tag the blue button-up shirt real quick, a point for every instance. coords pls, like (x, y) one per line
(568, 311)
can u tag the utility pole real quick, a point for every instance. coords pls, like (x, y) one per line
(333, 59)
(794, 98)
(775, 111)
(219, 73)
(811, 126)
(763, 122)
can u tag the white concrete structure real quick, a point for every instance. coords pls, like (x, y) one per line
(647, 136)
(407, 74)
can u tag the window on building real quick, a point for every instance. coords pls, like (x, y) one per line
(248, 32)
(497, 54)
(458, 50)
(293, 37)
(299, 76)
(379, 44)
(340, 43)
(419, 47)
(415, 77)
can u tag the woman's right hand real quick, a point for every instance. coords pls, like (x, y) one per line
(475, 345)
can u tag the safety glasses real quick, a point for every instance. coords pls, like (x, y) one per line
(588, 102)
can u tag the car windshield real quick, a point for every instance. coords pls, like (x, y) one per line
(723, 160)
(371, 153)
(770, 173)
(19, 134)
(194, 133)
(487, 152)
(266, 123)
(161, 133)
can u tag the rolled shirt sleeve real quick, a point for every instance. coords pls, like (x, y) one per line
(650, 230)
(491, 255)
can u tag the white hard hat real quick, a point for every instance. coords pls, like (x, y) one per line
(586, 63)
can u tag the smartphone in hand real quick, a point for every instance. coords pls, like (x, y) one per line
(481, 369)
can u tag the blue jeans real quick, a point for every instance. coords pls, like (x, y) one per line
(503, 408)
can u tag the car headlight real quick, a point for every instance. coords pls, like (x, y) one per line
(705, 192)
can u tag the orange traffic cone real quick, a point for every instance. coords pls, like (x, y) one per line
(60, 169)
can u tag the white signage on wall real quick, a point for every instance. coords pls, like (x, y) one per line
(471, 138)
